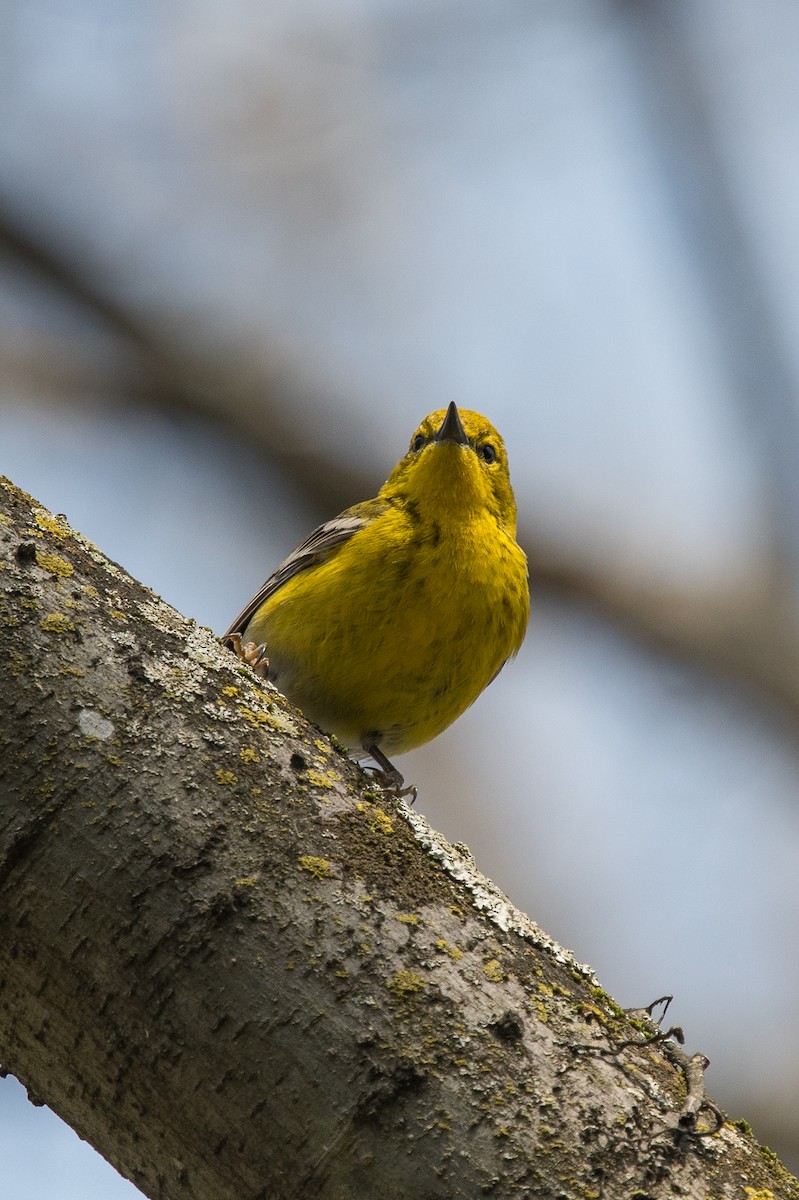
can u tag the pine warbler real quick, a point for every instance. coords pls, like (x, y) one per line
(388, 621)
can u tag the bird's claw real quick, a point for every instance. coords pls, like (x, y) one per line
(250, 653)
(392, 782)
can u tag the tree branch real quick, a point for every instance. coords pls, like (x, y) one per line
(239, 971)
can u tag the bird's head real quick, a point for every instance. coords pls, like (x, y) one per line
(456, 464)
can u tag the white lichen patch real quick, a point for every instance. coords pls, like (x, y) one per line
(203, 648)
(486, 896)
(94, 725)
(163, 616)
(125, 641)
(216, 712)
(177, 675)
(189, 739)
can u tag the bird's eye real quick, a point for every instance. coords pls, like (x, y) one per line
(487, 452)
(418, 441)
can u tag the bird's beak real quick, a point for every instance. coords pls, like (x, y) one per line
(451, 428)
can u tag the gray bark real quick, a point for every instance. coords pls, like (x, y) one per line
(238, 970)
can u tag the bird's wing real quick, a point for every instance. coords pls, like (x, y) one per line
(315, 547)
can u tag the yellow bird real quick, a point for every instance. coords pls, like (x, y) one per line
(387, 622)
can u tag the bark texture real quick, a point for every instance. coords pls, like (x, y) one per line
(239, 971)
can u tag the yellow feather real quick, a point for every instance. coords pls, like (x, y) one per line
(389, 621)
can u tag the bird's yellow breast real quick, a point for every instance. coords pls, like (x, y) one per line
(401, 628)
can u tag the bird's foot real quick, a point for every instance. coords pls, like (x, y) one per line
(390, 778)
(250, 653)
